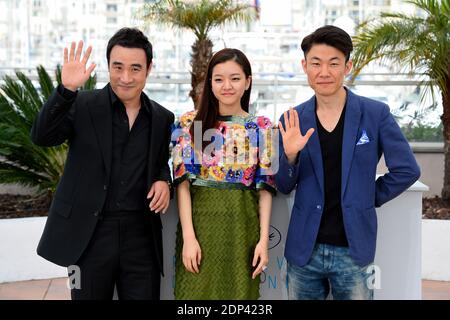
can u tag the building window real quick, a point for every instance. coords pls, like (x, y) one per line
(111, 7)
(382, 2)
(111, 20)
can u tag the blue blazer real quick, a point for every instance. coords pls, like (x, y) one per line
(369, 131)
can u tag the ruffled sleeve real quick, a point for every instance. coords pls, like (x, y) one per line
(183, 156)
(264, 176)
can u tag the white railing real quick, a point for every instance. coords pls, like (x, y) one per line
(273, 93)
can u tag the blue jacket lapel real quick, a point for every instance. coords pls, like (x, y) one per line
(308, 120)
(351, 126)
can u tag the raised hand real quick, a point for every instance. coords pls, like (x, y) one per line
(74, 73)
(293, 140)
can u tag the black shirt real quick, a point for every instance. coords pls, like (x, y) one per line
(331, 229)
(127, 189)
(128, 184)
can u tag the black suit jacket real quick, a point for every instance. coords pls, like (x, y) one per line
(86, 124)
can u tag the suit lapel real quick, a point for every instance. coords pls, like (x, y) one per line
(308, 120)
(101, 115)
(351, 126)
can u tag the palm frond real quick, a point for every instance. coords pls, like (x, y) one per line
(431, 7)
(26, 99)
(417, 44)
(199, 16)
(58, 72)
(45, 82)
(21, 161)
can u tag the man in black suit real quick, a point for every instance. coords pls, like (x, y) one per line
(103, 221)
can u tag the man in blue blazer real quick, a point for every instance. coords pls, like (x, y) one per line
(329, 150)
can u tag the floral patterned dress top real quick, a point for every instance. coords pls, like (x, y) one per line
(225, 174)
(243, 161)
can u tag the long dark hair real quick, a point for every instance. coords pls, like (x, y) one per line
(209, 105)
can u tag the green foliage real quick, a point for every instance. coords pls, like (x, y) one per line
(417, 44)
(21, 161)
(423, 133)
(198, 16)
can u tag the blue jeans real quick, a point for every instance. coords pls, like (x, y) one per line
(330, 268)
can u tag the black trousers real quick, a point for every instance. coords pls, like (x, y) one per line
(120, 254)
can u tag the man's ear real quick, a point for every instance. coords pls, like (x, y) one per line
(304, 65)
(348, 67)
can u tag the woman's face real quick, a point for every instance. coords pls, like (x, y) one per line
(229, 83)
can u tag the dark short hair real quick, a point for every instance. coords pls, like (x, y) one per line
(130, 38)
(331, 36)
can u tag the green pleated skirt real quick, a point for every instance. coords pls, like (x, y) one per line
(226, 224)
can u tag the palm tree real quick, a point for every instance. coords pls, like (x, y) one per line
(21, 161)
(418, 44)
(199, 17)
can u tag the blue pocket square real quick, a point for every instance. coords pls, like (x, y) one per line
(364, 138)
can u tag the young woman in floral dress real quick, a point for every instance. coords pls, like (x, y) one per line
(224, 183)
